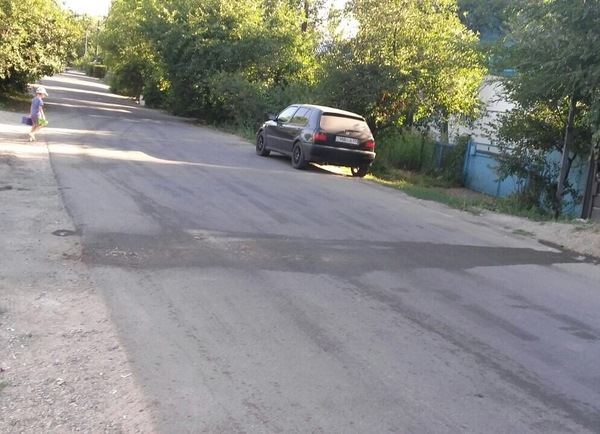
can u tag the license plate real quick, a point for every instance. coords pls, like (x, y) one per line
(348, 140)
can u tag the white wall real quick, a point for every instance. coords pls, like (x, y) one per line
(491, 95)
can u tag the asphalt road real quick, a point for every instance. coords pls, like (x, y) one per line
(255, 298)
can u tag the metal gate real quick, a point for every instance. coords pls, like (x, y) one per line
(591, 206)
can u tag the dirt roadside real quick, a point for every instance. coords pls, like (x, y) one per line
(62, 366)
(580, 237)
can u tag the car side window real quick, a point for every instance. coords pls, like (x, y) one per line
(301, 117)
(286, 115)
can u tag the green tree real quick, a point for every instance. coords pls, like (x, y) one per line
(551, 46)
(37, 38)
(129, 53)
(411, 63)
(89, 26)
(486, 17)
(212, 58)
(268, 47)
(527, 137)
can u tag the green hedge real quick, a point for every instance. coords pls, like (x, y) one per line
(89, 69)
(95, 70)
(99, 71)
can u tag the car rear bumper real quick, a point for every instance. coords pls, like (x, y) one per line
(337, 156)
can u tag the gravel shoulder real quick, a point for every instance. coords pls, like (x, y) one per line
(62, 365)
(579, 237)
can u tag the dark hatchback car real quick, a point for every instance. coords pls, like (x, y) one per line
(318, 134)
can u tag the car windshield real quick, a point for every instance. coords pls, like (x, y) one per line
(336, 124)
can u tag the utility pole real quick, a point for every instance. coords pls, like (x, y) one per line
(564, 164)
(97, 33)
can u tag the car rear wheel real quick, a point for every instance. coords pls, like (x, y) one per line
(360, 171)
(298, 159)
(261, 148)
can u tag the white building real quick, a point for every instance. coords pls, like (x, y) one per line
(491, 94)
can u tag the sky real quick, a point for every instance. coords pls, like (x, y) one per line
(90, 7)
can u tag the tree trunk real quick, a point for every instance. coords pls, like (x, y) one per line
(445, 132)
(564, 164)
(306, 15)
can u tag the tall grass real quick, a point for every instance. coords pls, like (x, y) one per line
(399, 149)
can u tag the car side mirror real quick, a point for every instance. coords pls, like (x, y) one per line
(272, 117)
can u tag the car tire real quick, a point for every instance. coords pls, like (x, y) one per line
(261, 146)
(298, 160)
(360, 171)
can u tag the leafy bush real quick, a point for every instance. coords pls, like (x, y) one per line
(89, 69)
(99, 71)
(453, 161)
(539, 176)
(279, 97)
(236, 100)
(127, 80)
(156, 89)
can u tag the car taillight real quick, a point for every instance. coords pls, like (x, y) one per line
(319, 137)
(370, 145)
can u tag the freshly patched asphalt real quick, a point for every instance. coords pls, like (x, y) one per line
(253, 297)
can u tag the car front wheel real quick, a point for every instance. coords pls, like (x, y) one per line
(298, 159)
(261, 148)
(360, 171)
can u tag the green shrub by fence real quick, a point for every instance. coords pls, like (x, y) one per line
(405, 150)
(95, 70)
(419, 153)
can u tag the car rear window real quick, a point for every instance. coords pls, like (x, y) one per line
(336, 123)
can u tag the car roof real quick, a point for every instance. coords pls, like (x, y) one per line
(332, 110)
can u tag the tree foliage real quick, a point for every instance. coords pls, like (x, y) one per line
(210, 59)
(410, 63)
(551, 46)
(127, 51)
(527, 140)
(486, 17)
(37, 38)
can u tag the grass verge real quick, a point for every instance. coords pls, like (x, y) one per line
(440, 190)
(15, 102)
